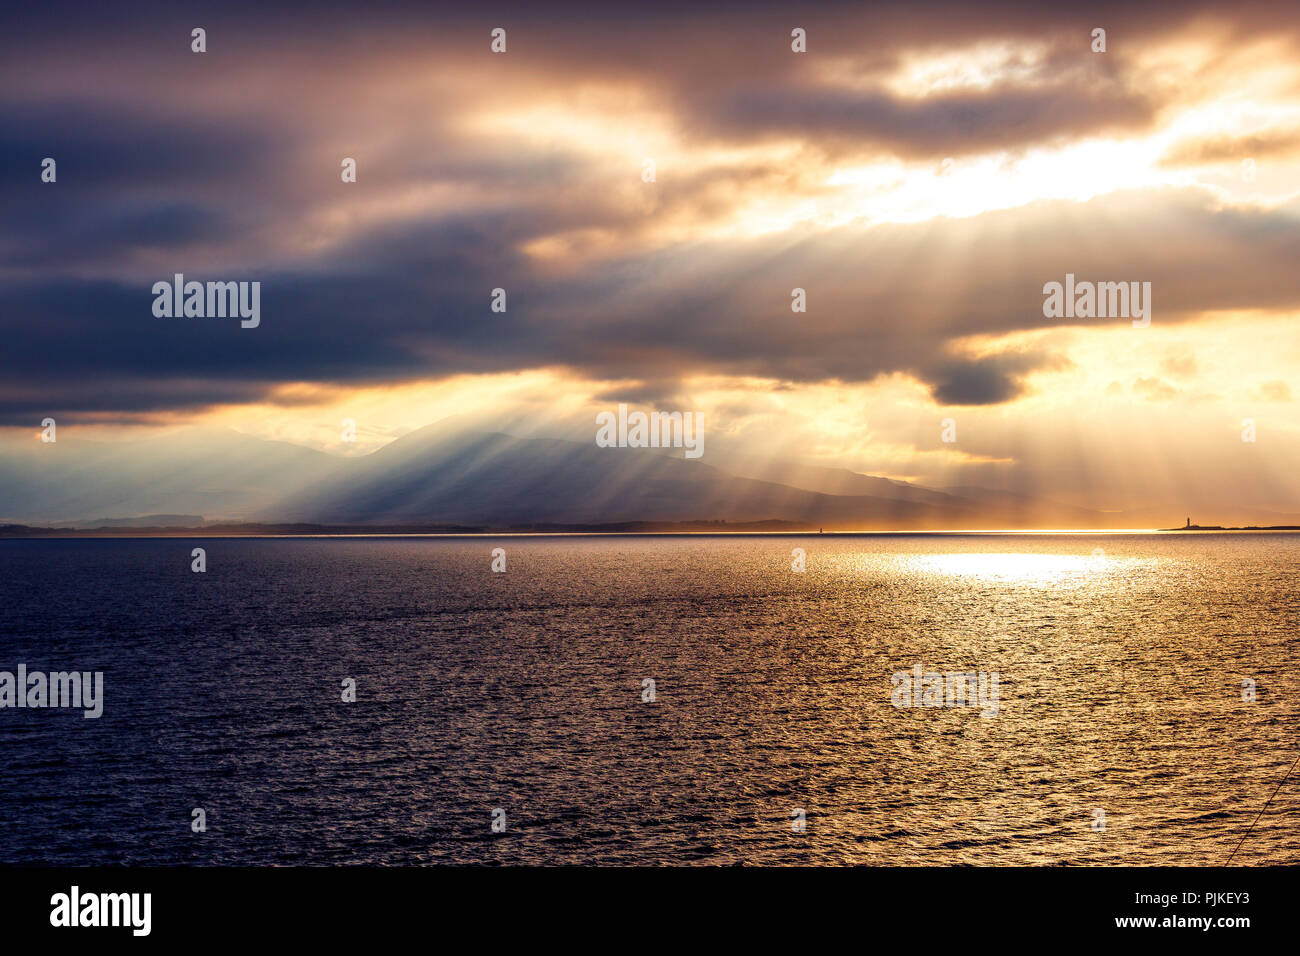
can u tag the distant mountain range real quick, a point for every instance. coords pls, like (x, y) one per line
(448, 475)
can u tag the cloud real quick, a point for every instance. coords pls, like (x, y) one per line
(1276, 391)
(1006, 116)
(1179, 366)
(1220, 149)
(411, 300)
(984, 381)
(1154, 390)
(225, 166)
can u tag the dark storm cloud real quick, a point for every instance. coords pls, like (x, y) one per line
(983, 381)
(125, 183)
(946, 125)
(67, 234)
(111, 146)
(170, 162)
(414, 302)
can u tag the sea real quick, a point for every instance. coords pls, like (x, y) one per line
(655, 700)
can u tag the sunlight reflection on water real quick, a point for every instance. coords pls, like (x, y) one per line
(1121, 662)
(1027, 568)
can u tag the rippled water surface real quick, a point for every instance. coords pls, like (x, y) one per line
(1121, 661)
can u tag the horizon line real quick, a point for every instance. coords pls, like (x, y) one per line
(158, 534)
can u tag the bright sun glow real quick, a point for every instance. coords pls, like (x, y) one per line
(1018, 568)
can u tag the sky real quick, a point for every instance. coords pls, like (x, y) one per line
(921, 171)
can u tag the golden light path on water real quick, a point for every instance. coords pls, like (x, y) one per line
(1078, 569)
(1021, 568)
